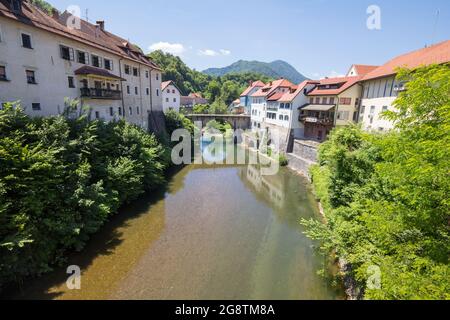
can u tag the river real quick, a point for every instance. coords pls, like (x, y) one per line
(215, 232)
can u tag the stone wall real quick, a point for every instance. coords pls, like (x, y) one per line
(304, 155)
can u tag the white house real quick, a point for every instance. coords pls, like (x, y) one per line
(44, 59)
(171, 96)
(381, 89)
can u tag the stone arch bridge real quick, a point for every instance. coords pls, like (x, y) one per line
(237, 121)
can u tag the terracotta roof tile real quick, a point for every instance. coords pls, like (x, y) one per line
(438, 53)
(256, 84)
(345, 82)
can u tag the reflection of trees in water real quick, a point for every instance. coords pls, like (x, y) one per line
(286, 193)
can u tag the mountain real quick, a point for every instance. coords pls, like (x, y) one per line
(276, 69)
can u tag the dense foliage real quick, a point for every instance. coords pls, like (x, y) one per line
(175, 120)
(61, 179)
(43, 5)
(386, 197)
(227, 88)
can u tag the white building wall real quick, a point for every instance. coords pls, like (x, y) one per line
(171, 98)
(52, 74)
(378, 96)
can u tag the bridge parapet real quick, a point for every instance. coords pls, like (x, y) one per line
(237, 121)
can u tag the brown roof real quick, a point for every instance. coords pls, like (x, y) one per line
(363, 69)
(269, 88)
(290, 96)
(438, 53)
(344, 82)
(255, 84)
(165, 84)
(88, 70)
(89, 34)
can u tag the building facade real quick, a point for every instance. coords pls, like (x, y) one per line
(44, 62)
(246, 97)
(380, 88)
(171, 96)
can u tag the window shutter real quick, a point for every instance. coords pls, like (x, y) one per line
(72, 54)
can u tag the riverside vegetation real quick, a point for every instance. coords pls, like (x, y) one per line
(386, 196)
(60, 181)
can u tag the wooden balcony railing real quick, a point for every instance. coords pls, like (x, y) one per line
(106, 94)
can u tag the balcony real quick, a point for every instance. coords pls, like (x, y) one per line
(106, 94)
(311, 119)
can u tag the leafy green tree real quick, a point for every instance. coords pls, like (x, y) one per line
(386, 196)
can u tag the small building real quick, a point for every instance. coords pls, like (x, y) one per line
(171, 96)
(193, 99)
(236, 107)
(246, 96)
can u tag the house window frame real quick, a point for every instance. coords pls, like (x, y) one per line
(127, 69)
(100, 61)
(87, 60)
(71, 82)
(33, 81)
(71, 52)
(5, 78)
(36, 106)
(135, 72)
(22, 33)
(111, 65)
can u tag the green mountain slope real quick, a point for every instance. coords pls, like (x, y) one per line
(276, 69)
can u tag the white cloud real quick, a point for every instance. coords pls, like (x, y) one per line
(225, 52)
(213, 53)
(173, 48)
(208, 52)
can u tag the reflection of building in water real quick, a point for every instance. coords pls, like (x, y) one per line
(269, 185)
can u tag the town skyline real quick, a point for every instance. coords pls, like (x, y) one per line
(221, 39)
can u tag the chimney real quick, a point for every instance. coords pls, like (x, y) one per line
(101, 25)
(55, 14)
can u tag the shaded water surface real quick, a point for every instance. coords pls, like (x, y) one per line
(215, 233)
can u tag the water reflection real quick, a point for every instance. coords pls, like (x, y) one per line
(217, 232)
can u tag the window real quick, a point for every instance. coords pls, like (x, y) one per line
(135, 72)
(280, 117)
(96, 61)
(120, 111)
(108, 64)
(31, 76)
(82, 57)
(136, 90)
(16, 5)
(332, 100)
(157, 76)
(147, 75)
(3, 73)
(147, 91)
(286, 118)
(130, 111)
(173, 91)
(97, 115)
(36, 106)
(157, 92)
(345, 101)
(167, 99)
(127, 69)
(372, 110)
(287, 106)
(363, 110)
(318, 100)
(71, 82)
(26, 41)
(385, 108)
(168, 90)
(138, 110)
(324, 100)
(174, 99)
(67, 53)
(111, 111)
(128, 90)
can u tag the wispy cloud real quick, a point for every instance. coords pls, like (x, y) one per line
(174, 48)
(214, 53)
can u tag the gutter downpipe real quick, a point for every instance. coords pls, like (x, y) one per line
(121, 87)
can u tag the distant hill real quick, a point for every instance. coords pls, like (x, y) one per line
(276, 69)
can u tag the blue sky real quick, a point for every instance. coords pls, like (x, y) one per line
(318, 37)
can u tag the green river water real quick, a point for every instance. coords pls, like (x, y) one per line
(215, 232)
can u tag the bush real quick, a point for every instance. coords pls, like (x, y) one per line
(60, 181)
(283, 160)
(386, 196)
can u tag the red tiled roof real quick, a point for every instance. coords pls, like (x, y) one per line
(271, 87)
(290, 96)
(88, 70)
(438, 53)
(346, 82)
(88, 33)
(275, 96)
(363, 69)
(256, 84)
(165, 84)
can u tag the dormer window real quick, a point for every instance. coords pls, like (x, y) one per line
(17, 5)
